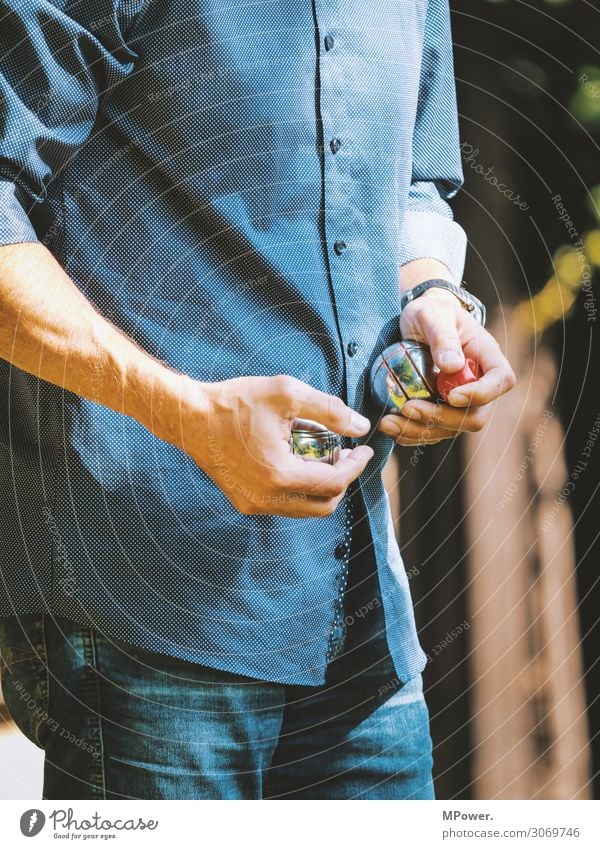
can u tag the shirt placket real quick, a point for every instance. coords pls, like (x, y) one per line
(337, 636)
(346, 247)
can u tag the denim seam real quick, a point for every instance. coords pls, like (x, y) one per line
(93, 693)
(7, 658)
(8, 663)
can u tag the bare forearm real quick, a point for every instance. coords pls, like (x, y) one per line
(50, 329)
(418, 270)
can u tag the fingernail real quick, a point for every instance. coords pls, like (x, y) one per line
(450, 358)
(413, 414)
(458, 398)
(360, 422)
(392, 430)
(366, 449)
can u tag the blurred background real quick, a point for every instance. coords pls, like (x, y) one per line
(499, 531)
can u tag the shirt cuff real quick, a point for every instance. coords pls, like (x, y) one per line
(15, 225)
(431, 235)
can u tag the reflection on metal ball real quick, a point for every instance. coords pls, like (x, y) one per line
(312, 441)
(403, 371)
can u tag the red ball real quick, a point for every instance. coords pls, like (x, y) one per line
(469, 373)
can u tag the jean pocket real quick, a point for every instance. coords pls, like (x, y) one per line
(24, 675)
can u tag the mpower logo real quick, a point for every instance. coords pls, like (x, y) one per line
(32, 822)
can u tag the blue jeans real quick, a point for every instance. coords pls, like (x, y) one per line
(120, 722)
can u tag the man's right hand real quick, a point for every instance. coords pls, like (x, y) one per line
(238, 431)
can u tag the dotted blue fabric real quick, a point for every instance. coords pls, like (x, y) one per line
(234, 185)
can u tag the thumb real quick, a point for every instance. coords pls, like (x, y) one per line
(330, 411)
(441, 334)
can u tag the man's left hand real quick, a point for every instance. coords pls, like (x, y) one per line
(438, 319)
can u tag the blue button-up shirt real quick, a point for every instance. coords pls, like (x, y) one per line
(235, 186)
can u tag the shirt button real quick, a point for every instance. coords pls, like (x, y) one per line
(335, 145)
(352, 348)
(339, 247)
(340, 550)
(329, 42)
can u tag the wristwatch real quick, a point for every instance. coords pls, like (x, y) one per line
(472, 304)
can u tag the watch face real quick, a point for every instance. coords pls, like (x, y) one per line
(474, 306)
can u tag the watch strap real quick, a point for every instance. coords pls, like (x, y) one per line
(472, 304)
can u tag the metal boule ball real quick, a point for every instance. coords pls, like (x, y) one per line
(402, 372)
(312, 441)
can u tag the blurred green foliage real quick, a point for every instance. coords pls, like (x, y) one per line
(585, 103)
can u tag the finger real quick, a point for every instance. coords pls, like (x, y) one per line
(324, 480)
(350, 466)
(297, 505)
(469, 419)
(330, 411)
(415, 443)
(498, 377)
(438, 324)
(399, 427)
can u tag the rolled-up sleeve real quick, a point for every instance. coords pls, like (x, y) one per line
(56, 60)
(15, 225)
(429, 229)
